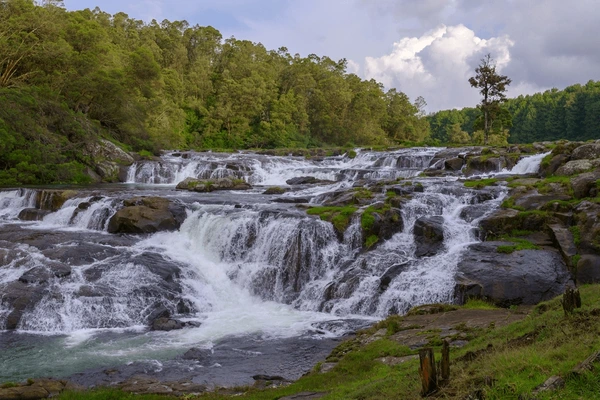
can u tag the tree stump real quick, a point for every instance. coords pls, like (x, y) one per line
(445, 367)
(571, 300)
(427, 372)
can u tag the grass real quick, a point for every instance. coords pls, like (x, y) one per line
(519, 244)
(499, 363)
(338, 216)
(480, 183)
(479, 304)
(367, 219)
(576, 232)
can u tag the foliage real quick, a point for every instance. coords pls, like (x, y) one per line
(492, 88)
(338, 216)
(571, 114)
(153, 86)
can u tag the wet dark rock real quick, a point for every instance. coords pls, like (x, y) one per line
(471, 213)
(52, 200)
(505, 221)
(198, 354)
(292, 200)
(390, 274)
(146, 215)
(80, 253)
(454, 164)
(522, 277)
(429, 235)
(42, 274)
(538, 201)
(32, 214)
(167, 324)
(19, 297)
(484, 164)
(206, 186)
(307, 180)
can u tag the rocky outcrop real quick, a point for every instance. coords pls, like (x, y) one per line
(52, 200)
(107, 159)
(206, 186)
(147, 215)
(522, 277)
(307, 180)
(429, 235)
(36, 389)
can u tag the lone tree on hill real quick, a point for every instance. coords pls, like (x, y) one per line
(492, 88)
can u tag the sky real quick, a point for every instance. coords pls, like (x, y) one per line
(426, 48)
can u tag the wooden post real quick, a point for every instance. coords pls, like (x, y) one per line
(445, 360)
(571, 300)
(427, 371)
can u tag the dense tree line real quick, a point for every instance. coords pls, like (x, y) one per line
(572, 114)
(68, 76)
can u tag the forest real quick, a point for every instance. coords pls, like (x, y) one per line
(68, 78)
(572, 114)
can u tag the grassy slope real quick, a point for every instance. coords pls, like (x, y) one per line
(522, 355)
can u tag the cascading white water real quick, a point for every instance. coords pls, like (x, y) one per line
(527, 165)
(13, 201)
(263, 170)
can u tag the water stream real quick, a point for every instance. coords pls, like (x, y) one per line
(247, 271)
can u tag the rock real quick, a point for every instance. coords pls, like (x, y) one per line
(587, 151)
(107, 150)
(471, 213)
(505, 221)
(522, 277)
(32, 392)
(454, 164)
(555, 162)
(19, 297)
(166, 324)
(108, 170)
(391, 361)
(588, 269)
(385, 224)
(275, 190)
(429, 235)
(326, 367)
(42, 274)
(306, 180)
(32, 214)
(587, 217)
(205, 186)
(587, 364)
(262, 377)
(484, 164)
(552, 383)
(563, 241)
(577, 167)
(390, 274)
(292, 200)
(146, 215)
(537, 201)
(584, 185)
(198, 354)
(52, 200)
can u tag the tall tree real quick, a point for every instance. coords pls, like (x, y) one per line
(492, 87)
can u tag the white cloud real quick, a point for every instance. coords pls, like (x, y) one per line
(438, 65)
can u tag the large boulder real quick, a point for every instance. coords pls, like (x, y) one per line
(585, 185)
(306, 180)
(19, 297)
(205, 186)
(522, 277)
(577, 167)
(52, 200)
(107, 159)
(587, 151)
(587, 217)
(146, 215)
(429, 235)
